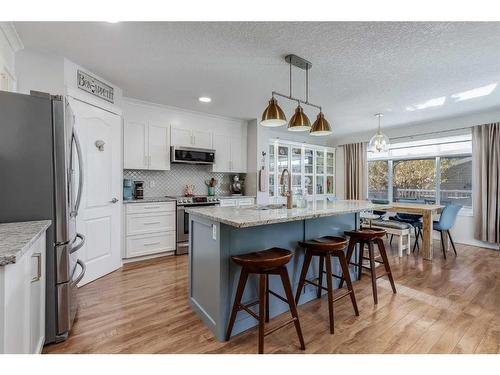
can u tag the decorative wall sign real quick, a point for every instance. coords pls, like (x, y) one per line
(94, 86)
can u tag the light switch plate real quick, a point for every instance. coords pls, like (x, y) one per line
(214, 231)
(151, 183)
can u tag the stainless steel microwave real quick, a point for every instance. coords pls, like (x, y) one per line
(190, 155)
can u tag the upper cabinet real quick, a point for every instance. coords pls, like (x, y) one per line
(190, 137)
(146, 146)
(230, 153)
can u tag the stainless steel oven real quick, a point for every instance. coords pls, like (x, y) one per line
(182, 227)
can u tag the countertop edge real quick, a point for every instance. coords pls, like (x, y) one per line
(18, 254)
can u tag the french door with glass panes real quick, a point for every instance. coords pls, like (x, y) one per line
(312, 169)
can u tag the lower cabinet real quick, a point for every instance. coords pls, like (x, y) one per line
(22, 302)
(150, 228)
(237, 202)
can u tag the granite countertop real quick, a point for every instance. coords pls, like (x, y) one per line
(253, 216)
(17, 238)
(150, 200)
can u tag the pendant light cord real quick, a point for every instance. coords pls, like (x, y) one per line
(307, 84)
(290, 63)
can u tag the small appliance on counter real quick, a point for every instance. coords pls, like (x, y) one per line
(127, 189)
(138, 189)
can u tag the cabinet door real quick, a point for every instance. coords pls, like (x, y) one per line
(37, 296)
(135, 146)
(222, 153)
(237, 162)
(202, 139)
(180, 137)
(158, 146)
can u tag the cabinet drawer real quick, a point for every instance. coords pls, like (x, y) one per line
(144, 208)
(246, 202)
(150, 244)
(228, 202)
(150, 223)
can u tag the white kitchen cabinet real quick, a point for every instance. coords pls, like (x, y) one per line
(22, 302)
(230, 154)
(149, 228)
(190, 137)
(146, 146)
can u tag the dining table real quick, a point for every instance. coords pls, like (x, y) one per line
(428, 212)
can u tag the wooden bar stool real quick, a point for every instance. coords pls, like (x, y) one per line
(326, 248)
(369, 236)
(268, 262)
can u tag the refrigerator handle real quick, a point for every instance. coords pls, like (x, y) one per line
(80, 276)
(79, 246)
(80, 170)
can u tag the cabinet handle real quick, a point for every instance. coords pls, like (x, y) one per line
(152, 223)
(151, 207)
(39, 267)
(152, 243)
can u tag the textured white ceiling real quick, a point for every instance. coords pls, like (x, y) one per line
(359, 68)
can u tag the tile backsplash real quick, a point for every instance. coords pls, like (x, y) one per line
(173, 182)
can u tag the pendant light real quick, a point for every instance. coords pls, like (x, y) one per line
(379, 142)
(320, 126)
(299, 121)
(273, 115)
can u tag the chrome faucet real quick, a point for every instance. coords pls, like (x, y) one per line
(288, 193)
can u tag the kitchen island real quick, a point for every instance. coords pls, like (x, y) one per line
(217, 233)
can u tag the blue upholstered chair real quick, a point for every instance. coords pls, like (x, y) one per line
(411, 219)
(445, 223)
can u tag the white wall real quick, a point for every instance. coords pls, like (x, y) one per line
(463, 231)
(9, 45)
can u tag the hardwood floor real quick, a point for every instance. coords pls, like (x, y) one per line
(447, 306)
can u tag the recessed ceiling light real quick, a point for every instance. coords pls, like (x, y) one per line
(205, 99)
(436, 102)
(475, 93)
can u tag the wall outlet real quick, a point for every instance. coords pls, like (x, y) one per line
(151, 183)
(214, 232)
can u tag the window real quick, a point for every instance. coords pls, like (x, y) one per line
(378, 179)
(428, 171)
(414, 179)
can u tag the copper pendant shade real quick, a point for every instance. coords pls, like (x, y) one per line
(299, 121)
(321, 126)
(273, 115)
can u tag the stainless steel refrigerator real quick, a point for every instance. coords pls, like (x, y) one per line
(41, 177)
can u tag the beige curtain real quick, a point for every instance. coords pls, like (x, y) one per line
(355, 171)
(486, 180)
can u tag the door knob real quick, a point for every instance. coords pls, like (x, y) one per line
(114, 200)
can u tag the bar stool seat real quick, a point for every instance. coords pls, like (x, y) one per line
(369, 237)
(326, 248)
(267, 262)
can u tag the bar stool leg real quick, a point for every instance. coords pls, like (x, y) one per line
(350, 251)
(262, 310)
(360, 260)
(303, 274)
(383, 254)
(267, 298)
(328, 261)
(320, 278)
(347, 277)
(372, 271)
(293, 307)
(237, 301)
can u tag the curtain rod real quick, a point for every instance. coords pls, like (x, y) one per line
(430, 133)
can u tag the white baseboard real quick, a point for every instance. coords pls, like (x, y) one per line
(146, 257)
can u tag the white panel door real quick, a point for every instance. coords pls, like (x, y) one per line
(180, 137)
(158, 146)
(202, 139)
(135, 146)
(99, 219)
(222, 153)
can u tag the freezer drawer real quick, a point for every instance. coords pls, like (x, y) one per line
(150, 244)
